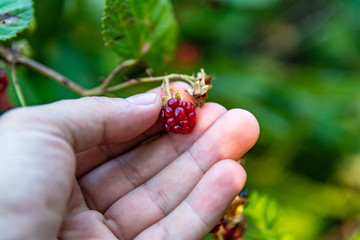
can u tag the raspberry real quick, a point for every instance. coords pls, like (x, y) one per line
(178, 116)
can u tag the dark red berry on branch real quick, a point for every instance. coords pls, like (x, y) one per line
(5, 103)
(4, 82)
(217, 226)
(178, 116)
(4, 100)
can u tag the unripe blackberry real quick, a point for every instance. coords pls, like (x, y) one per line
(178, 116)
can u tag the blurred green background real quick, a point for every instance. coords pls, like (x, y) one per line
(294, 64)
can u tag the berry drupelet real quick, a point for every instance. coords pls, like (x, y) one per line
(178, 116)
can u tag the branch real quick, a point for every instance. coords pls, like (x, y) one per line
(11, 57)
(50, 73)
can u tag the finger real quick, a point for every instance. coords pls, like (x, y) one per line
(231, 136)
(29, 173)
(205, 205)
(91, 158)
(124, 173)
(96, 121)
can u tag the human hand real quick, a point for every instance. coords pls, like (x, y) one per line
(79, 169)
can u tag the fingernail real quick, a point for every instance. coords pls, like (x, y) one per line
(143, 98)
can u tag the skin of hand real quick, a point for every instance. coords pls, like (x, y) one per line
(92, 169)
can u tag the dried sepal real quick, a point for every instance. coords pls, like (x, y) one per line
(234, 223)
(177, 95)
(234, 214)
(200, 87)
(204, 78)
(165, 99)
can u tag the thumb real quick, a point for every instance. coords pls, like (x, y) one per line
(90, 121)
(95, 120)
(38, 168)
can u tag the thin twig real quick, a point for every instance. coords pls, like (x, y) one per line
(17, 86)
(116, 71)
(11, 56)
(130, 82)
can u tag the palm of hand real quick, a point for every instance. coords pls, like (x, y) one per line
(148, 190)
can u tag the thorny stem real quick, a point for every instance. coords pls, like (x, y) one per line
(11, 57)
(17, 86)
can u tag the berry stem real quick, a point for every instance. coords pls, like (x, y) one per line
(117, 70)
(17, 86)
(167, 87)
(130, 82)
(10, 56)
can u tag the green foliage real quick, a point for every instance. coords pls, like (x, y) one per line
(15, 16)
(262, 219)
(356, 236)
(251, 3)
(136, 29)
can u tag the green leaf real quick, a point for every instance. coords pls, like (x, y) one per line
(256, 4)
(140, 29)
(15, 16)
(262, 214)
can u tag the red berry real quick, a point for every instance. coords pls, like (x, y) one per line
(168, 112)
(178, 116)
(4, 100)
(171, 122)
(186, 130)
(177, 129)
(180, 113)
(217, 226)
(185, 122)
(192, 117)
(162, 115)
(182, 103)
(173, 103)
(190, 107)
(167, 128)
(4, 82)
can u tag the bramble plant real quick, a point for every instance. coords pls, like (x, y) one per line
(139, 32)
